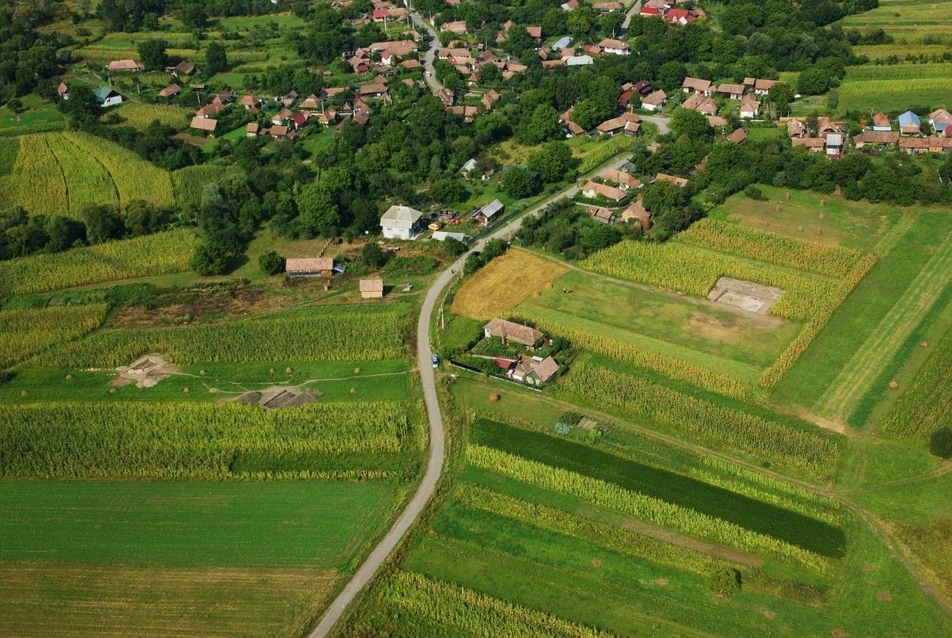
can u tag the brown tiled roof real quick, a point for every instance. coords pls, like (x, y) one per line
(512, 331)
(371, 285)
(308, 264)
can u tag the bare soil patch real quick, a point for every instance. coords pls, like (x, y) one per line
(596, 562)
(277, 397)
(769, 615)
(204, 303)
(883, 596)
(662, 582)
(145, 372)
(503, 283)
(746, 295)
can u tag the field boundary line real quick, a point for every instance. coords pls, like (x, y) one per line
(896, 233)
(856, 377)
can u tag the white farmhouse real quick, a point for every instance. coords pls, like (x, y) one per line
(400, 222)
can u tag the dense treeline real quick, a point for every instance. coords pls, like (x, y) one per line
(28, 58)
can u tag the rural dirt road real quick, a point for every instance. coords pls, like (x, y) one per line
(434, 466)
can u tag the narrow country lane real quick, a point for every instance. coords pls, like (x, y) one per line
(430, 56)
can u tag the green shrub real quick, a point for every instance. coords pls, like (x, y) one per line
(940, 443)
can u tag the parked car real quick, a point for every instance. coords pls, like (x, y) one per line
(436, 361)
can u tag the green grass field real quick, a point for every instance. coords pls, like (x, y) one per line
(626, 310)
(185, 558)
(333, 381)
(895, 88)
(267, 524)
(856, 225)
(862, 312)
(115, 601)
(910, 22)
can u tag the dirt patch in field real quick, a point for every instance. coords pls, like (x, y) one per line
(199, 304)
(278, 397)
(145, 372)
(503, 283)
(596, 562)
(869, 568)
(712, 328)
(883, 596)
(769, 615)
(662, 582)
(746, 295)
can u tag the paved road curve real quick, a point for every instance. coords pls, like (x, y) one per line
(434, 466)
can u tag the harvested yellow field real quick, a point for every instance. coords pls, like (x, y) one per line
(504, 283)
(58, 599)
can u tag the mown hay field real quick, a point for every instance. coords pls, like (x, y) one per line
(116, 601)
(499, 286)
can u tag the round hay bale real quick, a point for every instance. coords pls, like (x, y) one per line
(23, 393)
(550, 286)
(186, 390)
(776, 208)
(821, 216)
(112, 390)
(271, 371)
(494, 398)
(69, 377)
(201, 372)
(822, 202)
(893, 385)
(353, 390)
(818, 232)
(786, 196)
(923, 344)
(536, 294)
(800, 228)
(357, 370)
(288, 370)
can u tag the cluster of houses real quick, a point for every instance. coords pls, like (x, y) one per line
(879, 134)
(616, 186)
(701, 93)
(669, 13)
(524, 369)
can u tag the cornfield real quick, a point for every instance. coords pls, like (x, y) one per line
(37, 183)
(338, 333)
(142, 115)
(611, 537)
(87, 180)
(135, 178)
(684, 268)
(808, 333)
(158, 254)
(475, 614)
(649, 509)
(701, 420)
(191, 440)
(821, 259)
(24, 333)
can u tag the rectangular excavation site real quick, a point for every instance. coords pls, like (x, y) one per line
(745, 295)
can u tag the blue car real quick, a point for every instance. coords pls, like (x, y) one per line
(436, 361)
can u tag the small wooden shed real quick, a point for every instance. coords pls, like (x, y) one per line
(371, 288)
